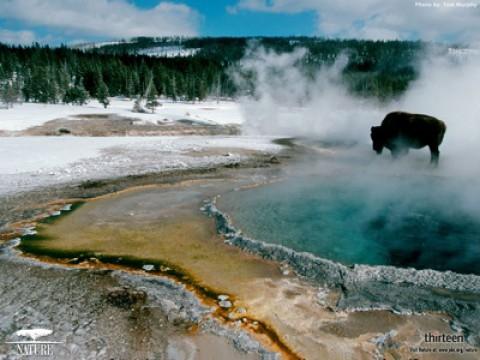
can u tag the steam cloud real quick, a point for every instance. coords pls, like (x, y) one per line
(288, 102)
(422, 208)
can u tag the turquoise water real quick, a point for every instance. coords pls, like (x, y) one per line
(367, 216)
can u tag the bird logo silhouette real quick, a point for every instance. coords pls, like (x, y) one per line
(33, 334)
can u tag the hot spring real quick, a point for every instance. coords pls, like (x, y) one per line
(352, 207)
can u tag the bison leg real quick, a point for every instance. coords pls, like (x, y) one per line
(395, 153)
(398, 152)
(435, 154)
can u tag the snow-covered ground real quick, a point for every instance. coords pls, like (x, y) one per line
(29, 162)
(23, 116)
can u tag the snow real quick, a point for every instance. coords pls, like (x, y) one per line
(93, 45)
(27, 154)
(24, 116)
(29, 162)
(168, 51)
(155, 51)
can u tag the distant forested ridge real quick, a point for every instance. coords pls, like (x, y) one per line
(189, 69)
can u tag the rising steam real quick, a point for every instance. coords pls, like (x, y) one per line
(287, 101)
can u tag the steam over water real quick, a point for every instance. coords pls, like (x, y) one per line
(356, 208)
(352, 206)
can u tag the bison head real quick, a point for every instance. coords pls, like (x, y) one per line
(378, 139)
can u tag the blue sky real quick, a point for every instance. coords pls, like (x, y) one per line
(217, 21)
(73, 21)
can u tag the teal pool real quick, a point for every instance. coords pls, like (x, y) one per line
(365, 215)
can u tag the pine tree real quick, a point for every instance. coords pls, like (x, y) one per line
(9, 94)
(164, 89)
(136, 82)
(137, 105)
(52, 89)
(64, 80)
(27, 85)
(17, 88)
(173, 88)
(180, 86)
(151, 96)
(76, 95)
(102, 93)
(201, 89)
(218, 89)
(130, 86)
(38, 85)
(190, 91)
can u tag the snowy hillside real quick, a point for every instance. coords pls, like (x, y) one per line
(96, 45)
(168, 51)
(161, 47)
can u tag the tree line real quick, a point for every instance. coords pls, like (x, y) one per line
(62, 74)
(52, 75)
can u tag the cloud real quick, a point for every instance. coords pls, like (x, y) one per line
(109, 18)
(382, 19)
(17, 37)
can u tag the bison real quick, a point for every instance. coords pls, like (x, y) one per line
(401, 131)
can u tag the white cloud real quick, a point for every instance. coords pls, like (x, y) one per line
(16, 37)
(110, 18)
(382, 19)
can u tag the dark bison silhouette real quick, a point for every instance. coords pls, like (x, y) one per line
(401, 131)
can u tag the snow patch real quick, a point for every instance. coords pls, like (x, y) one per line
(28, 162)
(168, 51)
(24, 116)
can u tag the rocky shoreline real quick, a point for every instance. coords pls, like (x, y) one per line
(53, 296)
(364, 287)
(56, 294)
(184, 317)
(25, 206)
